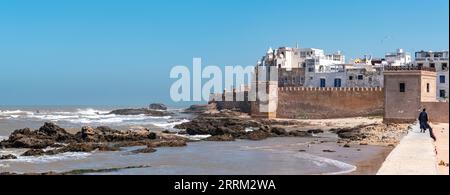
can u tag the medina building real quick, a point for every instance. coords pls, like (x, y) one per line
(438, 61)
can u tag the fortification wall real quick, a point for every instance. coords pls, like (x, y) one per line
(437, 111)
(322, 103)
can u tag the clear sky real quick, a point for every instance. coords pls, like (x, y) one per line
(111, 52)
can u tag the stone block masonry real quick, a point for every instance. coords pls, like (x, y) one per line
(322, 103)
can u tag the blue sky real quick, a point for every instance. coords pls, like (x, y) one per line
(111, 52)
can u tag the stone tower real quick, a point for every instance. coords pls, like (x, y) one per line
(406, 89)
(265, 89)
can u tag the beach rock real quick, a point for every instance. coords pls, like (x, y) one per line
(34, 152)
(31, 142)
(197, 109)
(225, 137)
(279, 131)
(141, 111)
(87, 133)
(256, 135)
(144, 150)
(157, 106)
(167, 143)
(81, 147)
(298, 133)
(315, 131)
(329, 151)
(8, 157)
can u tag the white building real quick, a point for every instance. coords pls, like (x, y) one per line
(348, 75)
(398, 58)
(439, 61)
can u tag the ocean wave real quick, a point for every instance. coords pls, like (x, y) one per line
(3, 138)
(323, 162)
(169, 124)
(50, 158)
(14, 112)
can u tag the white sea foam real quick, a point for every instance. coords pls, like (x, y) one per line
(16, 113)
(170, 124)
(322, 162)
(3, 138)
(195, 137)
(50, 158)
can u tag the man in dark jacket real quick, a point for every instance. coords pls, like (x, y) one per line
(423, 120)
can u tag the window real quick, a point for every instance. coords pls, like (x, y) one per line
(337, 82)
(360, 77)
(442, 94)
(311, 69)
(428, 87)
(402, 87)
(442, 79)
(322, 82)
(420, 65)
(432, 65)
(370, 79)
(350, 78)
(444, 66)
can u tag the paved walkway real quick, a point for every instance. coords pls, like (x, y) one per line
(415, 155)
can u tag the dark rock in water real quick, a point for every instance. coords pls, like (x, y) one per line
(315, 131)
(157, 106)
(31, 142)
(298, 133)
(330, 151)
(256, 135)
(56, 132)
(225, 137)
(81, 147)
(47, 135)
(279, 131)
(302, 150)
(144, 150)
(141, 111)
(168, 132)
(34, 152)
(8, 157)
(167, 143)
(182, 132)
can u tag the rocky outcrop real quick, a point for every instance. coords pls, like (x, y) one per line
(221, 138)
(141, 111)
(157, 106)
(47, 135)
(239, 126)
(87, 140)
(144, 150)
(8, 157)
(198, 109)
(373, 134)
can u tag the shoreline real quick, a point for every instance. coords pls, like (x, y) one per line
(329, 145)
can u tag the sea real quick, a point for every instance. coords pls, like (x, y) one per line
(285, 156)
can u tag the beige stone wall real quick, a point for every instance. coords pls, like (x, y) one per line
(437, 111)
(430, 79)
(401, 106)
(405, 106)
(321, 103)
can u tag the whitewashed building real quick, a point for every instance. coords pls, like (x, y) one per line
(398, 58)
(439, 61)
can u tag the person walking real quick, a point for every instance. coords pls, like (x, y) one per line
(423, 120)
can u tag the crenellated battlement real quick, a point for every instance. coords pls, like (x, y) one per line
(306, 89)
